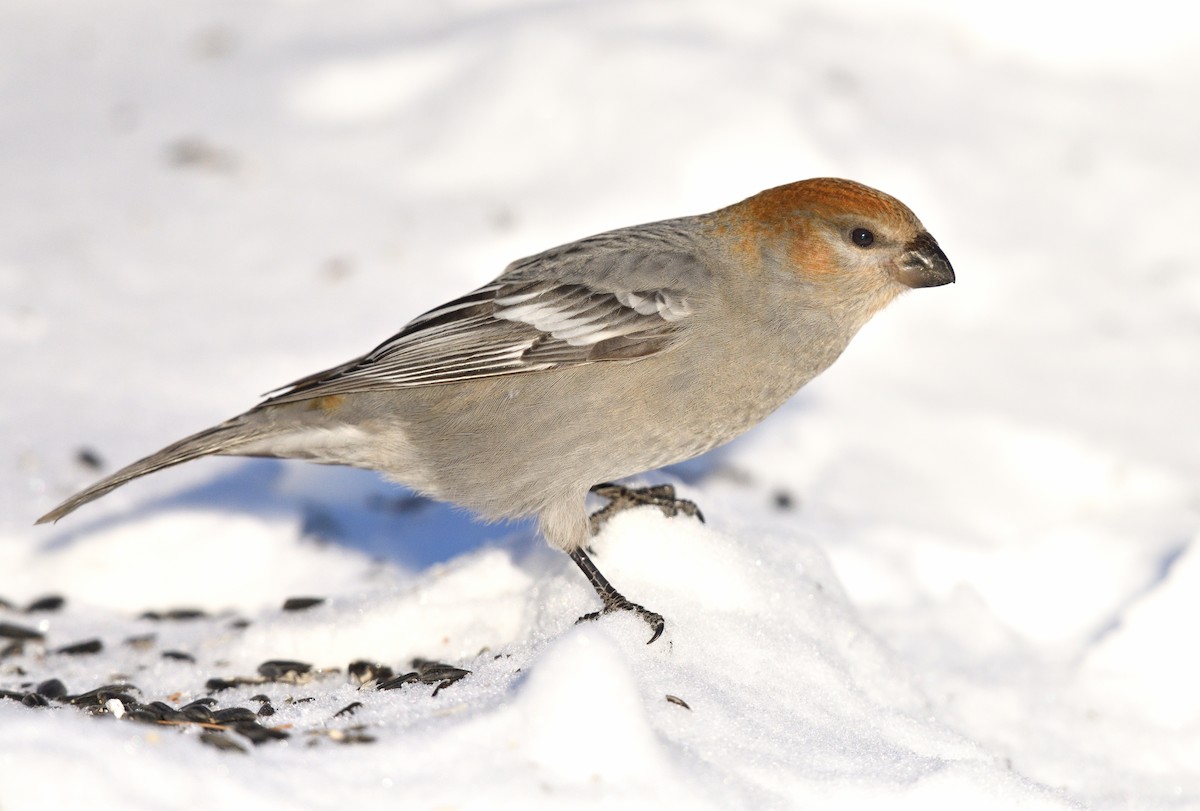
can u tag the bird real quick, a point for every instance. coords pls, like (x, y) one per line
(595, 361)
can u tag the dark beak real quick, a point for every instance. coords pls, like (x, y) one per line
(923, 264)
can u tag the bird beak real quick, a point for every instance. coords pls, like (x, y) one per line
(923, 264)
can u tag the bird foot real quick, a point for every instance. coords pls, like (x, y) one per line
(621, 498)
(613, 600)
(653, 619)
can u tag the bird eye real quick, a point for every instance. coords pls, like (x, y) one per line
(862, 237)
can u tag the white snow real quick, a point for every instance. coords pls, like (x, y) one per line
(959, 570)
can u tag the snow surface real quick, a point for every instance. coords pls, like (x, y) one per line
(960, 570)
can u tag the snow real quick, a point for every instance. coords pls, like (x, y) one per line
(961, 569)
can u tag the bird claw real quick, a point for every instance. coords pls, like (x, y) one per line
(621, 498)
(651, 618)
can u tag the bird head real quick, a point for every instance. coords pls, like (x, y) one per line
(834, 242)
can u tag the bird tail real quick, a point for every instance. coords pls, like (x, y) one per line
(219, 439)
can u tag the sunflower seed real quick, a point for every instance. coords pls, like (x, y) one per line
(301, 603)
(51, 602)
(10, 631)
(52, 688)
(86, 647)
(220, 741)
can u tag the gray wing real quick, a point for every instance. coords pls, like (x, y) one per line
(617, 296)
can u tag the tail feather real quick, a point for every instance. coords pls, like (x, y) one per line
(218, 439)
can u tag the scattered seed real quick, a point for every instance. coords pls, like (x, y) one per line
(12, 695)
(206, 701)
(86, 647)
(142, 642)
(10, 631)
(197, 153)
(142, 714)
(301, 603)
(217, 685)
(165, 712)
(363, 671)
(397, 682)
(349, 709)
(198, 713)
(15, 648)
(678, 700)
(265, 711)
(257, 733)
(233, 715)
(89, 458)
(283, 669)
(343, 736)
(99, 695)
(174, 615)
(178, 655)
(433, 672)
(35, 700)
(51, 602)
(220, 741)
(240, 624)
(52, 688)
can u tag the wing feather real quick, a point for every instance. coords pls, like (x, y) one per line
(569, 306)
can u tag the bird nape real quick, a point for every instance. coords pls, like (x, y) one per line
(676, 335)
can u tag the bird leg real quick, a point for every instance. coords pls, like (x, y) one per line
(613, 600)
(621, 498)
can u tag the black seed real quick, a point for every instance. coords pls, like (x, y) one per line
(301, 603)
(142, 642)
(88, 646)
(221, 741)
(206, 701)
(52, 688)
(89, 459)
(178, 656)
(349, 709)
(282, 668)
(678, 700)
(12, 649)
(257, 733)
(12, 695)
(165, 712)
(397, 682)
(10, 631)
(142, 714)
(106, 696)
(233, 715)
(51, 602)
(303, 700)
(434, 672)
(261, 697)
(198, 713)
(266, 710)
(35, 700)
(784, 500)
(174, 614)
(217, 685)
(239, 624)
(364, 671)
(100, 695)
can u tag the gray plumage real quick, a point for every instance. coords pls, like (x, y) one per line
(596, 360)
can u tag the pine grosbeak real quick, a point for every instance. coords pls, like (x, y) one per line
(596, 360)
